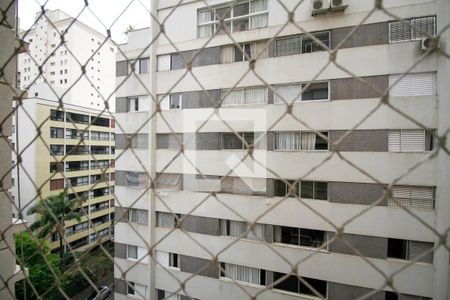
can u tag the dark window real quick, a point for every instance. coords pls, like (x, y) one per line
(143, 65)
(56, 133)
(242, 53)
(98, 121)
(293, 284)
(57, 149)
(310, 45)
(312, 238)
(173, 260)
(231, 141)
(315, 91)
(122, 68)
(56, 115)
(77, 118)
(290, 235)
(288, 45)
(321, 143)
(317, 190)
(130, 290)
(282, 189)
(56, 167)
(397, 248)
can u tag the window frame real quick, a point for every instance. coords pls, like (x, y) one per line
(231, 20)
(302, 90)
(300, 139)
(411, 39)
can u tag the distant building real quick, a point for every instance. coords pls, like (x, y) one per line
(218, 203)
(62, 46)
(10, 273)
(75, 150)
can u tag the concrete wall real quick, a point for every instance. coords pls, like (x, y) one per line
(199, 266)
(338, 291)
(368, 246)
(360, 140)
(355, 193)
(361, 88)
(365, 35)
(201, 225)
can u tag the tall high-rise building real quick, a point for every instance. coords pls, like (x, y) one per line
(367, 221)
(74, 150)
(10, 273)
(62, 47)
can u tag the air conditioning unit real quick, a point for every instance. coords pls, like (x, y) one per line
(319, 7)
(429, 44)
(338, 5)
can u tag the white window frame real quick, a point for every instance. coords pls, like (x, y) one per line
(300, 84)
(411, 28)
(401, 150)
(231, 19)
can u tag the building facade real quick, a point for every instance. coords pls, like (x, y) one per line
(10, 272)
(63, 46)
(229, 230)
(74, 150)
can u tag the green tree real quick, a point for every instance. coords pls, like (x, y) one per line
(43, 267)
(53, 212)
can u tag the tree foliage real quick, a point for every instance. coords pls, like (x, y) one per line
(43, 268)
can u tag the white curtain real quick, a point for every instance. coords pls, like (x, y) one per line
(277, 234)
(164, 102)
(163, 258)
(143, 103)
(164, 62)
(258, 50)
(255, 95)
(237, 228)
(206, 30)
(235, 97)
(287, 141)
(288, 93)
(165, 220)
(132, 252)
(242, 273)
(228, 53)
(261, 20)
(308, 140)
(257, 233)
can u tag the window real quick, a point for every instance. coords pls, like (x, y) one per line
(410, 250)
(135, 179)
(412, 30)
(130, 288)
(56, 133)
(173, 260)
(164, 62)
(77, 181)
(317, 190)
(293, 284)
(138, 216)
(132, 252)
(238, 228)
(285, 188)
(299, 236)
(294, 141)
(167, 259)
(122, 68)
(415, 84)
(77, 118)
(143, 65)
(77, 166)
(298, 44)
(412, 196)
(410, 140)
(57, 149)
(301, 92)
(56, 115)
(240, 16)
(173, 101)
(235, 140)
(243, 273)
(75, 134)
(56, 184)
(56, 167)
(164, 219)
(244, 52)
(245, 96)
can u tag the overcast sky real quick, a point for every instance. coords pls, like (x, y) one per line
(107, 11)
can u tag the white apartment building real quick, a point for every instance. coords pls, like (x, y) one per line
(190, 206)
(63, 48)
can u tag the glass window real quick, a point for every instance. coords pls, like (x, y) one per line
(231, 141)
(122, 68)
(143, 65)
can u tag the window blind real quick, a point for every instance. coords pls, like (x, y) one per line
(417, 84)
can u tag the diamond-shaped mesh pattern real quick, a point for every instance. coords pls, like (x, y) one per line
(203, 193)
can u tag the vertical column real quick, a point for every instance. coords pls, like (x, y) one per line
(441, 257)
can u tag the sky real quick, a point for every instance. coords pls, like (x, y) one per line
(99, 14)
